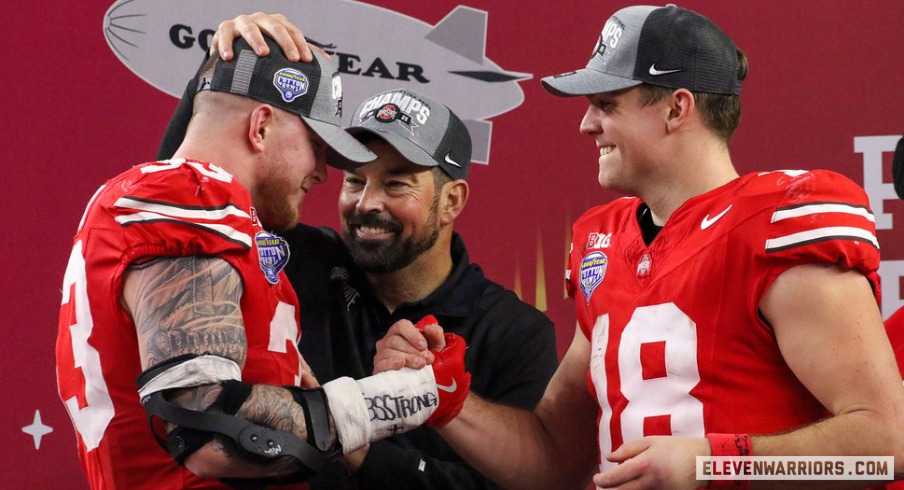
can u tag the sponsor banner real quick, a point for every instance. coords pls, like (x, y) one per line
(163, 42)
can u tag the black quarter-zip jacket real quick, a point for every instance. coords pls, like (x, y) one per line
(511, 351)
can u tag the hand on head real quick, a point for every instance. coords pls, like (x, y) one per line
(253, 27)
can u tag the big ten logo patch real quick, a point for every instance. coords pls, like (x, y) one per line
(598, 240)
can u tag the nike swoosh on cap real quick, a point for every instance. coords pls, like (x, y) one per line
(655, 72)
(449, 389)
(450, 161)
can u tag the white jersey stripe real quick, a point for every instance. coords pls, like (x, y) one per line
(88, 207)
(817, 208)
(226, 231)
(820, 234)
(181, 212)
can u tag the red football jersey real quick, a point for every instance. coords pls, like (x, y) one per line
(172, 208)
(678, 347)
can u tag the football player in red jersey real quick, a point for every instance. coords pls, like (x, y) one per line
(175, 281)
(718, 314)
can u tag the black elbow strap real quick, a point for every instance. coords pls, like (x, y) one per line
(258, 440)
(316, 417)
(182, 441)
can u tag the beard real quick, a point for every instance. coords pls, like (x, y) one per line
(275, 210)
(382, 256)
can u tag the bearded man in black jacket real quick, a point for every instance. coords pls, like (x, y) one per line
(399, 258)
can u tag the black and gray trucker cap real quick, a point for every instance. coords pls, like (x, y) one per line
(311, 90)
(666, 46)
(424, 131)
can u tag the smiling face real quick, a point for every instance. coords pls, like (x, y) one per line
(626, 133)
(388, 210)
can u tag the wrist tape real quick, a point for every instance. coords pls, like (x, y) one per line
(380, 406)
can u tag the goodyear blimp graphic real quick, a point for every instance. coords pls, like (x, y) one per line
(374, 48)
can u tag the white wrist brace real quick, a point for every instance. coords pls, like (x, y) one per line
(379, 406)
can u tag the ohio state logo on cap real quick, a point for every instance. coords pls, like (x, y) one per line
(388, 113)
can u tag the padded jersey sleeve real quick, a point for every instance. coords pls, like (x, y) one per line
(820, 217)
(180, 208)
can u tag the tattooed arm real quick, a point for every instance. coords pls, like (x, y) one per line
(190, 305)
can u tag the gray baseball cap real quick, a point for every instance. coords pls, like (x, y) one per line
(666, 46)
(424, 131)
(311, 90)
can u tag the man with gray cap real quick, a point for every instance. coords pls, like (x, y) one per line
(399, 258)
(176, 280)
(719, 315)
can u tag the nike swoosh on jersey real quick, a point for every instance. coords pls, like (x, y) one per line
(655, 72)
(451, 161)
(448, 389)
(707, 221)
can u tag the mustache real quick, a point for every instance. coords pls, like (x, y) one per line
(366, 219)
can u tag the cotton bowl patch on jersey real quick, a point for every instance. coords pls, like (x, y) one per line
(291, 83)
(272, 253)
(593, 269)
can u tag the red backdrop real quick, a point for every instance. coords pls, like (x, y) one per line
(823, 91)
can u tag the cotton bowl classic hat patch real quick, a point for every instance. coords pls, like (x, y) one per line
(311, 90)
(424, 131)
(667, 46)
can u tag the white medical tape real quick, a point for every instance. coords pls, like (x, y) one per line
(382, 405)
(201, 370)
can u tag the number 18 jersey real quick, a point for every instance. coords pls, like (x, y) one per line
(678, 346)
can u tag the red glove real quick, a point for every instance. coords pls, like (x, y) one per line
(452, 380)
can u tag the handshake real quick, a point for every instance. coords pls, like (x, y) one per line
(419, 378)
(452, 380)
(427, 347)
